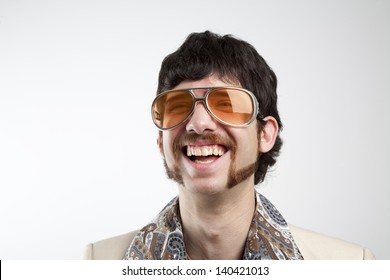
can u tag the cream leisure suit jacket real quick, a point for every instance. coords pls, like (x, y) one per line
(313, 246)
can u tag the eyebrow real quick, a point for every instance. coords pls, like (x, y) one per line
(177, 97)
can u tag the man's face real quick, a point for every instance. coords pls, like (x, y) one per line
(206, 156)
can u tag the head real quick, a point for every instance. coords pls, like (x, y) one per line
(235, 62)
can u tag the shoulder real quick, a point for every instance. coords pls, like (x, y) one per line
(313, 246)
(113, 248)
(316, 246)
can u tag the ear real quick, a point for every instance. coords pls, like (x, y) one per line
(268, 134)
(160, 143)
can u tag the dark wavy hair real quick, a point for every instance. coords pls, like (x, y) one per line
(231, 59)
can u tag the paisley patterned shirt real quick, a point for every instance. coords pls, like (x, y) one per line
(268, 237)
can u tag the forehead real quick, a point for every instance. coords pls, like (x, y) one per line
(209, 81)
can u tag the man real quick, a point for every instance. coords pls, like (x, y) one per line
(216, 109)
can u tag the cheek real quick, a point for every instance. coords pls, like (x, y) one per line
(249, 149)
(167, 147)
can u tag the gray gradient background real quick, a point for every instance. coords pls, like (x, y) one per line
(78, 154)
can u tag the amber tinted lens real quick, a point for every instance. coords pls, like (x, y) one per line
(171, 108)
(233, 106)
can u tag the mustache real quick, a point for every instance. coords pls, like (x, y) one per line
(189, 138)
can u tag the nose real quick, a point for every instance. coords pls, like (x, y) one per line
(201, 121)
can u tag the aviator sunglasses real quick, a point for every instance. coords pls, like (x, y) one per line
(231, 106)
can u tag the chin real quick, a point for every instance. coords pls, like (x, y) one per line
(202, 187)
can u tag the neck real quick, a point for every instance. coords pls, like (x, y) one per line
(216, 226)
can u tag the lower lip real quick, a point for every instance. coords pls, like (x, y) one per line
(206, 165)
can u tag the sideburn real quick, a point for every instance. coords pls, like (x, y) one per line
(236, 177)
(174, 174)
(239, 176)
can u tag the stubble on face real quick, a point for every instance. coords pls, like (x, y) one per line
(234, 177)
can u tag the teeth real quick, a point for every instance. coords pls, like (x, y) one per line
(205, 151)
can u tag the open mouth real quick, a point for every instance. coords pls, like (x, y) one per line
(204, 153)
